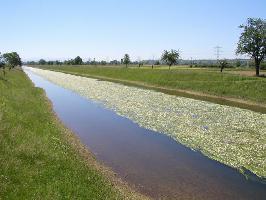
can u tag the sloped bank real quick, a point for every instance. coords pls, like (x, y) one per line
(233, 136)
(40, 158)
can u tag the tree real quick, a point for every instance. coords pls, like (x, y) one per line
(157, 62)
(253, 41)
(68, 62)
(57, 62)
(114, 62)
(2, 64)
(12, 59)
(50, 62)
(77, 61)
(103, 62)
(170, 57)
(42, 62)
(238, 63)
(126, 59)
(223, 64)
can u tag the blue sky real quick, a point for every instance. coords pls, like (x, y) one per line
(107, 29)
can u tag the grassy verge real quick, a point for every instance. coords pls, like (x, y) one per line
(197, 81)
(39, 158)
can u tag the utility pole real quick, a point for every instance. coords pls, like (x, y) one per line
(218, 52)
(152, 60)
(139, 61)
(94, 62)
(179, 55)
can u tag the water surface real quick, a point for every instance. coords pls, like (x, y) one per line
(154, 163)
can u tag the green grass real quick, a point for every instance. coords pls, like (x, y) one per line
(207, 81)
(36, 159)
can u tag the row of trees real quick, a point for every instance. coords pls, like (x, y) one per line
(169, 57)
(208, 63)
(9, 60)
(75, 61)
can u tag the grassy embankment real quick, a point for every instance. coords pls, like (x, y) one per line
(39, 158)
(195, 82)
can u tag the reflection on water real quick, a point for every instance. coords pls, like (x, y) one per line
(154, 163)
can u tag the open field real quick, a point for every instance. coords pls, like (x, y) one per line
(39, 158)
(212, 129)
(204, 81)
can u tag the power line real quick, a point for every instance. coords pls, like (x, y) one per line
(218, 52)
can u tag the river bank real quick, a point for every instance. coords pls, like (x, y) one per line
(39, 157)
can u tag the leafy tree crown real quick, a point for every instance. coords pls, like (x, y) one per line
(253, 39)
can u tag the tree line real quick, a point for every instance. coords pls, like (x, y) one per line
(169, 57)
